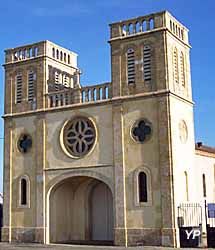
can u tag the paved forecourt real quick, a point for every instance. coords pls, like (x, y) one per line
(6, 246)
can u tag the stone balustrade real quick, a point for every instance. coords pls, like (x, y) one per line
(81, 95)
(43, 48)
(24, 52)
(143, 24)
(137, 26)
(60, 98)
(96, 92)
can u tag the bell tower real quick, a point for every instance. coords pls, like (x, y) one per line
(150, 53)
(34, 72)
(151, 77)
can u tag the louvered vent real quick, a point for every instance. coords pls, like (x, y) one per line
(147, 63)
(131, 66)
(31, 83)
(19, 88)
(182, 70)
(175, 65)
(65, 80)
(56, 77)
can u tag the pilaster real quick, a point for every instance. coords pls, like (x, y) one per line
(40, 165)
(119, 176)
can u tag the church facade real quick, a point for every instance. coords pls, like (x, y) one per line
(109, 162)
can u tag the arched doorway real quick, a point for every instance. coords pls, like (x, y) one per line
(81, 211)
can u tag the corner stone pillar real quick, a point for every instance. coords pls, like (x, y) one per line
(119, 176)
(76, 96)
(166, 174)
(116, 69)
(8, 139)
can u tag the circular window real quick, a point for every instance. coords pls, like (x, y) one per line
(183, 131)
(141, 131)
(24, 143)
(79, 136)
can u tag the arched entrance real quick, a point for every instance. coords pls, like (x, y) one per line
(81, 211)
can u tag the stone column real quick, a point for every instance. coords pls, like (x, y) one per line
(119, 176)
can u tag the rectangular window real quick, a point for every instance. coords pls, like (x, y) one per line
(19, 88)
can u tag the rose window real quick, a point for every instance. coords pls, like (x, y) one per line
(79, 136)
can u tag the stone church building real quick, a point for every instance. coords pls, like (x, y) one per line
(107, 163)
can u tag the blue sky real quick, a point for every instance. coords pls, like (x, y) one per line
(82, 26)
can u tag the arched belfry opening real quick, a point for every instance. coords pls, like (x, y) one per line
(81, 211)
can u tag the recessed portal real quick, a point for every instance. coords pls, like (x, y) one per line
(81, 211)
